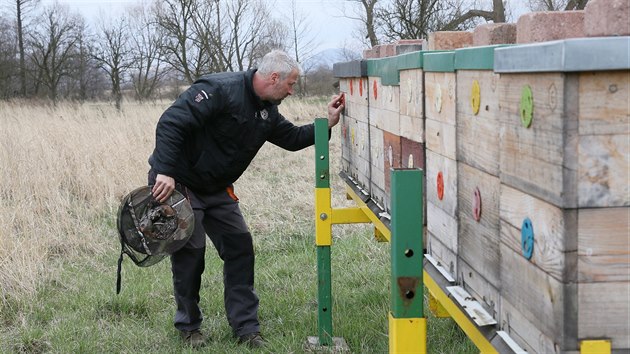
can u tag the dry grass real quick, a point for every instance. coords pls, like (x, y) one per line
(65, 168)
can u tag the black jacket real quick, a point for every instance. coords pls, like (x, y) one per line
(209, 136)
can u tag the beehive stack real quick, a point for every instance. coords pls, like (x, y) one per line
(527, 162)
(564, 191)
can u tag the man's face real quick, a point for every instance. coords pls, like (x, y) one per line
(280, 89)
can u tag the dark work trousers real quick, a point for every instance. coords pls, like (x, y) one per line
(218, 215)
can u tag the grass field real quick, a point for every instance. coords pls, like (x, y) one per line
(64, 170)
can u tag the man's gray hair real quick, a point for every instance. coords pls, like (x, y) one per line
(279, 62)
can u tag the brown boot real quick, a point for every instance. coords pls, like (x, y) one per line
(193, 338)
(252, 340)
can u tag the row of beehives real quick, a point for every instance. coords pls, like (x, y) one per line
(526, 163)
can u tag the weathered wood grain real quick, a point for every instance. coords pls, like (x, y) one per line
(411, 93)
(540, 159)
(439, 99)
(442, 254)
(540, 298)
(603, 104)
(480, 288)
(554, 228)
(604, 245)
(526, 333)
(603, 172)
(442, 226)
(478, 135)
(437, 163)
(603, 312)
(412, 128)
(479, 240)
(441, 138)
(385, 120)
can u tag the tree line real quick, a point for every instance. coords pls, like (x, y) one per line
(51, 52)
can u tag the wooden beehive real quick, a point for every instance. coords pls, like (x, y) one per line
(441, 167)
(564, 125)
(478, 185)
(526, 158)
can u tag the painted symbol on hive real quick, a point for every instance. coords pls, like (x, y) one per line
(390, 155)
(438, 98)
(351, 87)
(527, 238)
(410, 161)
(375, 89)
(553, 97)
(527, 106)
(440, 186)
(475, 97)
(361, 87)
(476, 205)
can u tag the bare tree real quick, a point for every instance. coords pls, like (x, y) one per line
(8, 63)
(181, 43)
(112, 52)
(367, 16)
(148, 66)
(409, 19)
(556, 5)
(302, 43)
(53, 44)
(21, 6)
(496, 15)
(248, 23)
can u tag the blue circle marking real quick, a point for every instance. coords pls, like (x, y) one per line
(527, 238)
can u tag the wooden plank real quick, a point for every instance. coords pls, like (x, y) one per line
(441, 138)
(541, 299)
(442, 254)
(605, 107)
(603, 245)
(478, 134)
(385, 120)
(603, 312)
(524, 332)
(392, 156)
(540, 159)
(358, 111)
(390, 98)
(411, 93)
(555, 235)
(375, 96)
(554, 228)
(412, 128)
(439, 100)
(479, 240)
(436, 164)
(443, 226)
(480, 288)
(412, 153)
(603, 172)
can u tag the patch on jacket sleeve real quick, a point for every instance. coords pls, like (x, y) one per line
(202, 96)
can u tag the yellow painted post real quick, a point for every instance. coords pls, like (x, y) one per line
(407, 335)
(601, 346)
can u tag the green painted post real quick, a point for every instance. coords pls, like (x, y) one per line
(324, 289)
(406, 298)
(324, 294)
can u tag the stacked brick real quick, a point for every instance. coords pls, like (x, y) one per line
(527, 159)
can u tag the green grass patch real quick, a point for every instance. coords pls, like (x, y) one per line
(79, 312)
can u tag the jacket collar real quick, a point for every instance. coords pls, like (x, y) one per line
(249, 79)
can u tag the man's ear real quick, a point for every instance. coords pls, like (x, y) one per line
(275, 77)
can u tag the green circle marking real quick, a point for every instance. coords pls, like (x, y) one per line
(527, 106)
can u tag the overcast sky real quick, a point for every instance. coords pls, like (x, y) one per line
(330, 29)
(324, 17)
